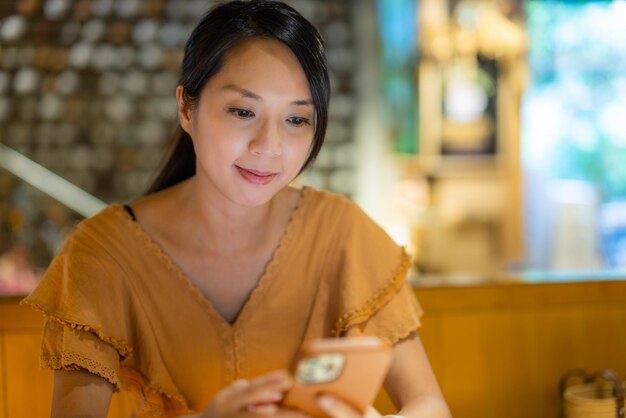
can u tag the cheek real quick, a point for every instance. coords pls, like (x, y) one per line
(299, 152)
(307, 144)
(217, 141)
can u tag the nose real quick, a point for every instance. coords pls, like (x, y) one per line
(267, 140)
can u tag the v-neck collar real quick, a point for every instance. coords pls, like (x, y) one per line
(255, 295)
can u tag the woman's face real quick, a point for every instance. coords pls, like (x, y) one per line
(253, 125)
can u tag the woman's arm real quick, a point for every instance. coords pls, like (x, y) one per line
(80, 394)
(410, 383)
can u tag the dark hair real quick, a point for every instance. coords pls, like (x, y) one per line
(221, 29)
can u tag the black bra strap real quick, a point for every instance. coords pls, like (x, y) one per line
(130, 212)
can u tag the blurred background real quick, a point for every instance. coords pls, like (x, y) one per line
(488, 136)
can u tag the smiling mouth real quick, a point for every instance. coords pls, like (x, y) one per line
(255, 176)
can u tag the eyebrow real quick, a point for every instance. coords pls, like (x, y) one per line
(248, 94)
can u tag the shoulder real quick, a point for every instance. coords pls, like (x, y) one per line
(111, 216)
(341, 218)
(87, 268)
(101, 233)
(332, 205)
(155, 212)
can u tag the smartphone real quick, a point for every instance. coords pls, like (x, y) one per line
(351, 368)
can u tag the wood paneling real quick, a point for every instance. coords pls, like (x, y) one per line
(500, 350)
(16, 317)
(3, 376)
(29, 389)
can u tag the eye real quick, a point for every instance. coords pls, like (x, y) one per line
(298, 121)
(241, 113)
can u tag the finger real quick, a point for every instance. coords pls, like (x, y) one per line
(223, 403)
(337, 408)
(282, 412)
(372, 413)
(276, 380)
(233, 389)
(265, 389)
(254, 398)
(264, 409)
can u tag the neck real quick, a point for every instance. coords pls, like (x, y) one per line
(220, 225)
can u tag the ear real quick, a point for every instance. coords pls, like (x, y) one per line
(184, 110)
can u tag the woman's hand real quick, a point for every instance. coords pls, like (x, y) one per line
(251, 398)
(338, 408)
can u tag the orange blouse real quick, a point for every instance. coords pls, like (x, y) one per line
(118, 306)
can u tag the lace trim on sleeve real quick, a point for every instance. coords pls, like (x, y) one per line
(376, 302)
(407, 330)
(152, 401)
(119, 344)
(75, 361)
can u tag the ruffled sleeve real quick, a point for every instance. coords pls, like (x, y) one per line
(373, 295)
(67, 348)
(84, 300)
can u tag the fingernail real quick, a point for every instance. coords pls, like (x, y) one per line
(241, 383)
(266, 410)
(275, 396)
(325, 402)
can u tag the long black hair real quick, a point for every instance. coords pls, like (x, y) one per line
(221, 29)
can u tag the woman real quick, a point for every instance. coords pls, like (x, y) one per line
(197, 296)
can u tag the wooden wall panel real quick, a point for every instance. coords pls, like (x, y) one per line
(430, 333)
(29, 390)
(3, 378)
(463, 378)
(493, 361)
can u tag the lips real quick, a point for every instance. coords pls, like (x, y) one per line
(255, 176)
